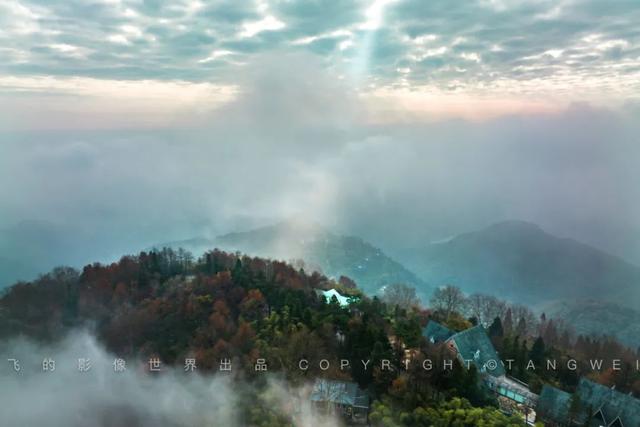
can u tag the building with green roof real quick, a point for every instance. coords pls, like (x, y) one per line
(553, 404)
(436, 333)
(598, 405)
(474, 346)
(608, 406)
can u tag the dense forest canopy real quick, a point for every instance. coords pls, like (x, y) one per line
(166, 304)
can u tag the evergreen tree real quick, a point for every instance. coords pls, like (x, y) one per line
(507, 325)
(537, 351)
(521, 361)
(507, 349)
(496, 329)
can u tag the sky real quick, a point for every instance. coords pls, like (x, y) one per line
(106, 60)
(128, 123)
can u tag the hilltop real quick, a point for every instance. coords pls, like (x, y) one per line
(332, 254)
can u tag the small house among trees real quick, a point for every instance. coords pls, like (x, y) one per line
(344, 301)
(473, 346)
(341, 398)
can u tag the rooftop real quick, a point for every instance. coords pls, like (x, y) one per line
(342, 300)
(553, 403)
(341, 392)
(606, 404)
(435, 332)
(474, 345)
(611, 403)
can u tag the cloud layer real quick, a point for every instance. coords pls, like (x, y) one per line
(289, 147)
(126, 123)
(67, 397)
(535, 51)
(99, 396)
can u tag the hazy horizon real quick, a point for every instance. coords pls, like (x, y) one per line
(126, 124)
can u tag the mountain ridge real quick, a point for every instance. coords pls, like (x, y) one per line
(522, 261)
(332, 254)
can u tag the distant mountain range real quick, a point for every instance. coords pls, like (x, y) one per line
(593, 291)
(332, 254)
(521, 262)
(599, 318)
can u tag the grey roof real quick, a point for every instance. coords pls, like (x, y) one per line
(474, 344)
(342, 392)
(553, 403)
(436, 333)
(610, 402)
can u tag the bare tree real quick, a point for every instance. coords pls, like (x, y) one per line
(485, 308)
(400, 294)
(474, 307)
(492, 307)
(448, 299)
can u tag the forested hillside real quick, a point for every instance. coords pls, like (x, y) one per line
(165, 304)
